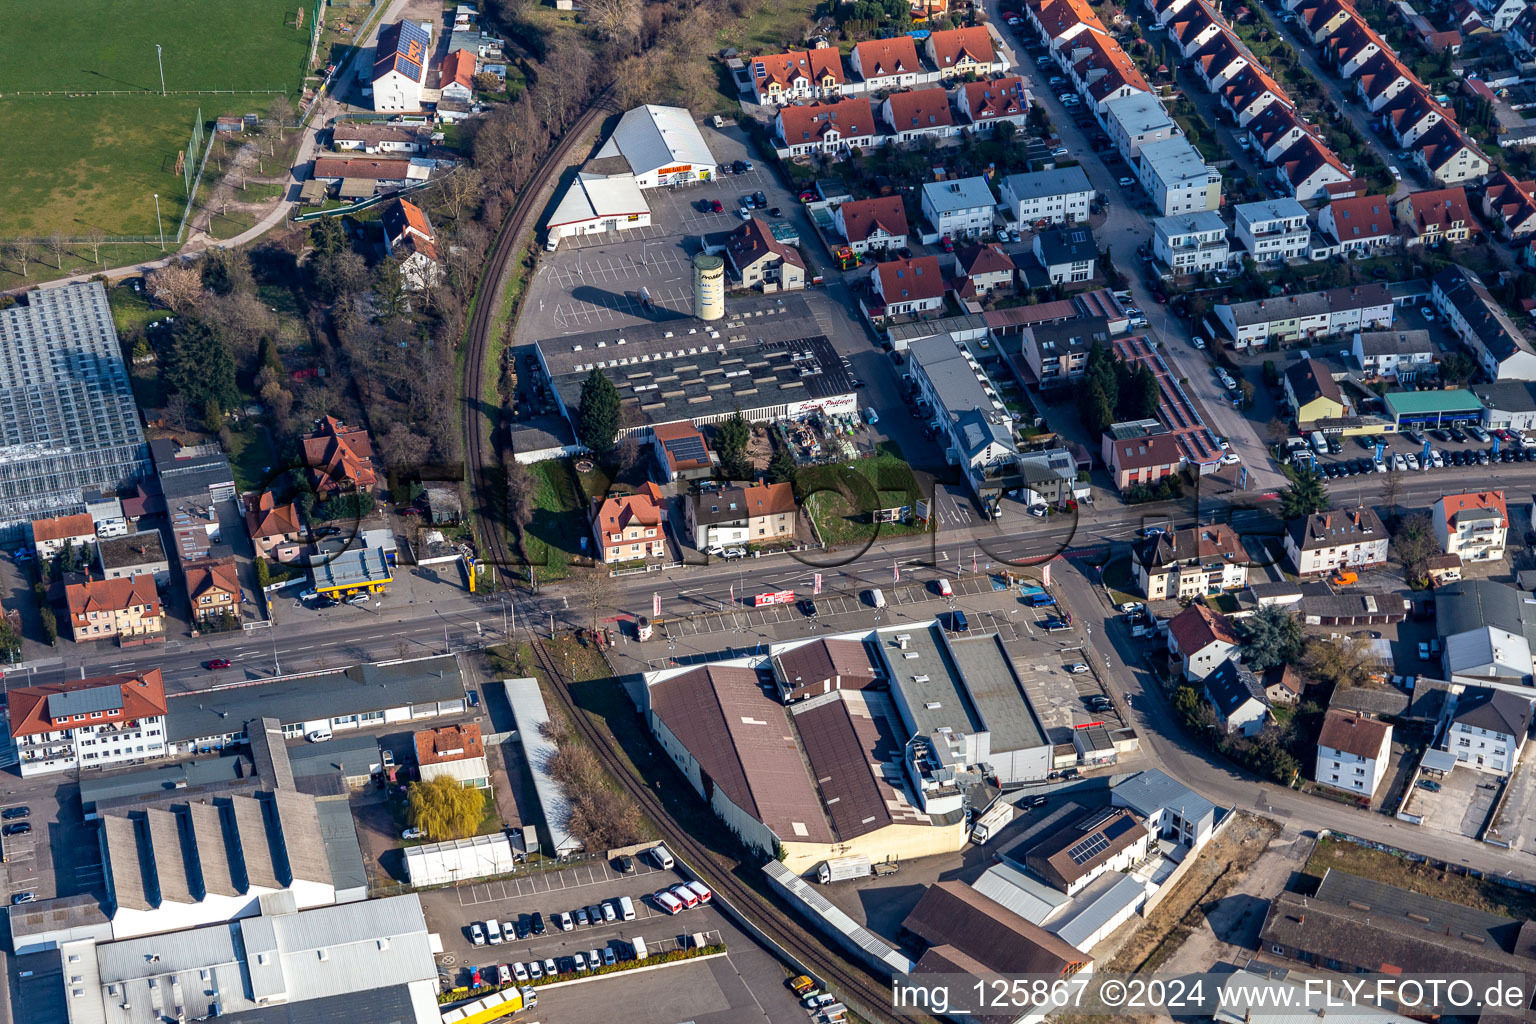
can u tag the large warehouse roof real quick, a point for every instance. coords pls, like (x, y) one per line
(651, 137)
(594, 196)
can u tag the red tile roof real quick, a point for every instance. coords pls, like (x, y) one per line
(1441, 143)
(862, 216)
(917, 109)
(910, 280)
(449, 743)
(63, 527)
(1513, 200)
(1348, 732)
(1058, 17)
(1409, 107)
(1377, 74)
(665, 432)
(993, 98)
(1197, 627)
(615, 514)
(951, 47)
(1250, 85)
(810, 122)
(214, 576)
(1306, 158)
(113, 595)
(879, 58)
(1451, 504)
(1147, 452)
(143, 696)
(768, 499)
(458, 66)
(1361, 217)
(264, 517)
(1440, 209)
(337, 167)
(754, 240)
(983, 259)
(339, 458)
(1274, 123)
(787, 68)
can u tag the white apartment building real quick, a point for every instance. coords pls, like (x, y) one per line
(1134, 121)
(961, 208)
(1191, 243)
(88, 723)
(1273, 230)
(1177, 179)
(1354, 539)
(1488, 729)
(1056, 197)
(1352, 753)
(1473, 526)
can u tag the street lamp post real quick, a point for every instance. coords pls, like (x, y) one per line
(161, 62)
(159, 222)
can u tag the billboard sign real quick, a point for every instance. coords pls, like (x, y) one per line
(777, 597)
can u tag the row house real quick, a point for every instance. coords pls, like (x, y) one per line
(1164, 11)
(1446, 154)
(959, 52)
(1498, 345)
(1101, 71)
(988, 103)
(1500, 15)
(1362, 223)
(741, 515)
(1511, 205)
(1273, 230)
(1350, 46)
(1250, 92)
(88, 723)
(915, 113)
(1433, 217)
(1307, 314)
(1399, 354)
(1410, 114)
(960, 208)
(127, 610)
(1382, 79)
(798, 76)
(1276, 129)
(1319, 19)
(889, 64)
(1193, 27)
(1219, 60)
(867, 224)
(1309, 167)
(1054, 197)
(1057, 22)
(1523, 29)
(1137, 120)
(1057, 354)
(827, 127)
(1325, 541)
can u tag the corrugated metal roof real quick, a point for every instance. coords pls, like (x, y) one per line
(255, 846)
(211, 835)
(1096, 906)
(169, 856)
(652, 137)
(1028, 897)
(530, 714)
(364, 943)
(304, 845)
(123, 866)
(819, 906)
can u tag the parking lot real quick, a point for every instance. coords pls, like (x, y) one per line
(59, 856)
(1460, 807)
(723, 990)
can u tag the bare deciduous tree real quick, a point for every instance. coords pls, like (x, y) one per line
(58, 244)
(403, 448)
(463, 188)
(617, 19)
(520, 494)
(23, 251)
(176, 286)
(94, 236)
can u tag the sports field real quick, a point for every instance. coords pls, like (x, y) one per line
(76, 161)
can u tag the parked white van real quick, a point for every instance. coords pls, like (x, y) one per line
(662, 857)
(639, 944)
(320, 735)
(626, 908)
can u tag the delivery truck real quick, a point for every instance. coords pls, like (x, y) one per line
(494, 1007)
(839, 869)
(991, 821)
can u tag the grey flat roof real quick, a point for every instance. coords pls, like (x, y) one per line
(342, 851)
(1040, 184)
(997, 692)
(125, 550)
(162, 781)
(1417, 911)
(929, 682)
(765, 352)
(350, 755)
(81, 702)
(306, 698)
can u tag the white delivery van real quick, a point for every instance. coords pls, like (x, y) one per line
(493, 931)
(876, 598)
(626, 908)
(1319, 442)
(639, 944)
(668, 902)
(662, 857)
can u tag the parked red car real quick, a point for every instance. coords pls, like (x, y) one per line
(714, 204)
(219, 663)
(410, 511)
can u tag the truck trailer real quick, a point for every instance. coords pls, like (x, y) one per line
(494, 1007)
(839, 869)
(992, 821)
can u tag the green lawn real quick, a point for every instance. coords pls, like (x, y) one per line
(252, 458)
(130, 310)
(222, 226)
(842, 496)
(559, 524)
(97, 161)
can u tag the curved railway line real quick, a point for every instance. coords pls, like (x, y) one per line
(857, 984)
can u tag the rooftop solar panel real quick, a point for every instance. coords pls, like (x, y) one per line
(686, 449)
(1083, 852)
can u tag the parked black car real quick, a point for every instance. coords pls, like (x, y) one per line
(11, 813)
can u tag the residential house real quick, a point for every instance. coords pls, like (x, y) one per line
(1276, 129)
(1177, 178)
(1191, 243)
(1500, 15)
(911, 286)
(1500, 347)
(1400, 354)
(1193, 27)
(1350, 46)
(1273, 230)
(959, 52)
(1249, 93)
(457, 76)
(127, 610)
(1283, 684)
(1352, 753)
(915, 113)
(973, 433)
(1200, 641)
(960, 208)
(1313, 394)
(741, 515)
(1309, 167)
(990, 102)
(1058, 22)
(1056, 354)
(1473, 526)
(1221, 58)
(1488, 729)
(453, 751)
(1099, 842)
(1448, 156)
(136, 554)
(1135, 120)
(829, 127)
(1469, 24)
(1382, 79)
(50, 536)
(1410, 114)
(878, 224)
(1361, 223)
(1307, 314)
(888, 64)
(408, 236)
(681, 452)
(1324, 541)
(1101, 72)
(1237, 696)
(982, 270)
(1190, 563)
(1049, 197)
(88, 723)
(798, 75)
(1067, 254)
(339, 459)
(1511, 205)
(380, 139)
(276, 528)
(629, 527)
(1319, 19)
(1523, 30)
(1140, 455)
(1436, 217)
(213, 588)
(761, 261)
(1164, 11)
(400, 58)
